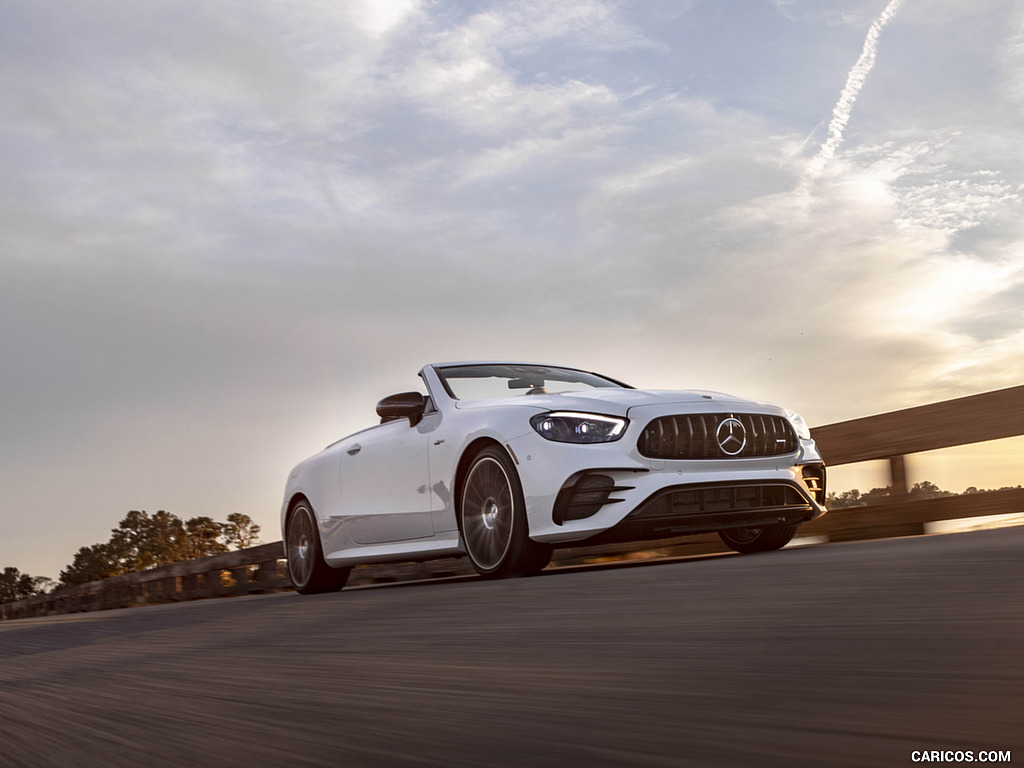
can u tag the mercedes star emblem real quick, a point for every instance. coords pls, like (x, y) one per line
(732, 436)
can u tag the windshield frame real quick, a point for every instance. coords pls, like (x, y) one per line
(523, 372)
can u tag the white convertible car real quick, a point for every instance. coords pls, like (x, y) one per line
(503, 462)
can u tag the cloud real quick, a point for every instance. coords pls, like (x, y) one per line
(854, 83)
(379, 17)
(1011, 61)
(465, 75)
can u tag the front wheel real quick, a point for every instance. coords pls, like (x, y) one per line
(492, 518)
(758, 539)
(307, 569)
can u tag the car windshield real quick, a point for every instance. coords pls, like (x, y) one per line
(485, 382)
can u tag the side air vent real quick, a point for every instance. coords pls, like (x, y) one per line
(583, 495)
(814, 479)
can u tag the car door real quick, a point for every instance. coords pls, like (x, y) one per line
(385, 482)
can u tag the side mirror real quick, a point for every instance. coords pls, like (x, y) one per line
(403, 405)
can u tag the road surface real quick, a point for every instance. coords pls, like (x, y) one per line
(858, 654)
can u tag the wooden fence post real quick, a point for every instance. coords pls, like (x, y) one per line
(898, 476)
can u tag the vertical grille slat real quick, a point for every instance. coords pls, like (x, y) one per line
(695, 436)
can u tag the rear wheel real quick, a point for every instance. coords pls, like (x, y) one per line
(307, 569)
(492, 517)
(758, 539)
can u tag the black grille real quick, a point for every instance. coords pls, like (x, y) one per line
(697, 501)
(697, 436)
(685, 509)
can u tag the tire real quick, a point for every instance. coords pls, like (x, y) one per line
(537, 560)
(765, 539)
(492, 519)
(307, 570)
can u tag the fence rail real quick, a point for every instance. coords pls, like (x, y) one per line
(889, 436)
(972, 419)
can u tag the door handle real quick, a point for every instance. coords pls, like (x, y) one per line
(354, 449)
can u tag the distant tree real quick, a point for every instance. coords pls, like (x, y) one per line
(91, 564)
(142, 541)
(927, 490)
(855, 498)
(877, 496)
(972, 489)
(15, 585)
(844, 500)
(923, 490)
(204, 535)
(240, 531)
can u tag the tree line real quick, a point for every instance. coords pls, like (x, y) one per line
(141, 541)
(923, 490)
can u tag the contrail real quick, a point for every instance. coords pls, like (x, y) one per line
(854, 82)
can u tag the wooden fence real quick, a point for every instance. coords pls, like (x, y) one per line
(892, 436)
(887, 436)
(233, 573)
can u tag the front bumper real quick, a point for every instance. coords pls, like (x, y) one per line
(609, 492)
(688, 509)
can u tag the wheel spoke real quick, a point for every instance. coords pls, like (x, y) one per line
(503, 523)
(493, 548)
(474, 496)
(476, 535)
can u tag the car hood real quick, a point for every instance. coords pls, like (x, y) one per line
(615, 402)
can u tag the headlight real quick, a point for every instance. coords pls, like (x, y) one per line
(567, 427)
(802, 430)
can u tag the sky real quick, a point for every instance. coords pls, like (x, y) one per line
(227, 229)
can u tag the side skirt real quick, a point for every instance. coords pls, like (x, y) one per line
(446, 545)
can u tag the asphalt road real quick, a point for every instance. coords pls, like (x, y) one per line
(851, 654)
